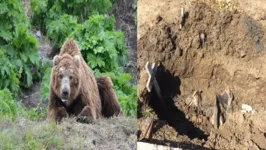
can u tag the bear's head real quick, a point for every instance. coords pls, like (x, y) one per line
(66, 78)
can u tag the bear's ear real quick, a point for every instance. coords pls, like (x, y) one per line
(56, 60)
(77, 60)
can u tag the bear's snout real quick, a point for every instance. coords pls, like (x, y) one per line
(65, 94)
(65, 89)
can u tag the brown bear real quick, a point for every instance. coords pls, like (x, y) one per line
(75, 91)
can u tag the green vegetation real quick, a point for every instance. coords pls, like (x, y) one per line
(90, 24)
(10, 109)
(17, 48)
(40, 136)
(86, 21)
(101, 46)
(19, 61)
(59, 18)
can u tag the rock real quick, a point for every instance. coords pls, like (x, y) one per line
(242, 54)
(158, 18)
(38, 34)
(193, 118)
(32, 97)
(220, 110)
(194, 100)
(247, 109)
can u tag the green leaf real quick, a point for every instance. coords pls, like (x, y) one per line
(28, 76)
(99, 49)
(5, 69)
(23, 57)
(3, 7)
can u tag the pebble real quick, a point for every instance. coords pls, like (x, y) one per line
(193, 118)
(39, 34)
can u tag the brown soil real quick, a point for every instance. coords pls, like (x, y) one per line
(231, 57)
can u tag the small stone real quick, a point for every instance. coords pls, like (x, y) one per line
(242, 54)
(93, 142)
(193, 118)
(39, 34)
(159, 18)
(202, 38)
(199, 120)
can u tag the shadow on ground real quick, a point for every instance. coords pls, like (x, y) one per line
(170, 88)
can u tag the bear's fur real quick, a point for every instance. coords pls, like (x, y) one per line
(74, 90)
(110, 105)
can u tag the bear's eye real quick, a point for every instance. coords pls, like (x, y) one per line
(70, 77)
(61, 75)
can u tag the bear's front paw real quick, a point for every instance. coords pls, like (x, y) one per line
(61, 113)
(82, 119)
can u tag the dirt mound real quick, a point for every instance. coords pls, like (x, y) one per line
(213, 52)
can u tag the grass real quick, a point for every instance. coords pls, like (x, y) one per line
(22, 128)
(23, 133)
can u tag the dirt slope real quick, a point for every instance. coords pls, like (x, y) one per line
(231, 57)
(114, 133)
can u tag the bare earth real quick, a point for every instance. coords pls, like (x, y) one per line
(232, 57)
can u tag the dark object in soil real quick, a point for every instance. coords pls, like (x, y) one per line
(184, 16)
(222, 105)
(174, 117)
(152, 82)
(158, 18)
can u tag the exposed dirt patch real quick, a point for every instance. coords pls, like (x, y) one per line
(230, 56)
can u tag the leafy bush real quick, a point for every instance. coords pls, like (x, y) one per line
(17, 48)
(7, 104)
(59, 29)
(45, 85)
(8, 77)
(62, 16)
(11, 109)
(100, 46)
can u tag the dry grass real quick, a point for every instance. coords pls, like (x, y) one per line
(114, 133)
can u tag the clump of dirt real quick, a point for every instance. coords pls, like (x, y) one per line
(213, 52)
